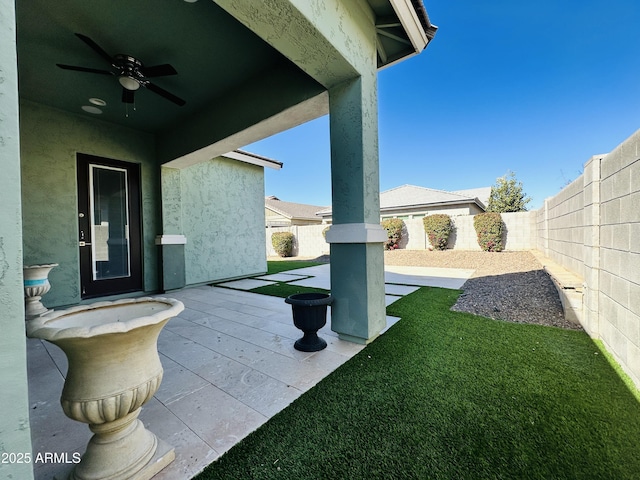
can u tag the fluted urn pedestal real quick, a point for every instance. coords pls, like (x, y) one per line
(114, 369)
(36, 284)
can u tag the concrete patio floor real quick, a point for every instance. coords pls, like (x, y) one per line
(229, 366)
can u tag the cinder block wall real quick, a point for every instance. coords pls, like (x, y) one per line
(520, 234)
(308, 240)
(592, 227)
(565, 226)
(619, 292)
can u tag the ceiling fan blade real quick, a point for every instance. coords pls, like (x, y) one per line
(127, 95)
(163, 93)
(84, 69)
(95, 47)
(159, 71)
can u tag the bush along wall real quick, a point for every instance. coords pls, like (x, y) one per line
(438, 228)
(394, 227)
(282, 243)
(490, 229)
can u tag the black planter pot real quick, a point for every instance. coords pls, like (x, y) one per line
(309, 315)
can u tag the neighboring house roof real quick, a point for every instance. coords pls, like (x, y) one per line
(482, 194)
(406, 197)
(298, 211)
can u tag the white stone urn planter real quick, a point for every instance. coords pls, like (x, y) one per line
(114, 369)
(36, 284)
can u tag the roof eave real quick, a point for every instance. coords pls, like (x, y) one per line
(427, 205)
(253, 159)
(415, 22)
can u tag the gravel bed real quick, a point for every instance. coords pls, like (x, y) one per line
(510, 286)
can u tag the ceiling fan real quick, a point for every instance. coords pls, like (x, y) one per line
(131, 73)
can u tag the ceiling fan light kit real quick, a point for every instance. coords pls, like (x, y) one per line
(129, 83)
(131, 73)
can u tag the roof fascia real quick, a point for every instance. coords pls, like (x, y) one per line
(411, 23)
(252, 159)
(430, 205)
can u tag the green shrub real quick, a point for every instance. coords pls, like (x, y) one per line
(489, 228)
(394, 227)
(438, 227)
(282, 243)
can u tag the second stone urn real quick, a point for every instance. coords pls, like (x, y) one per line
(36, 284)
(114, 369)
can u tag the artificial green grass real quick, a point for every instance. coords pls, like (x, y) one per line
(277, 266)
(282, 289)
(448, 395)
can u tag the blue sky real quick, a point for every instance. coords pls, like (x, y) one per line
(532, 87)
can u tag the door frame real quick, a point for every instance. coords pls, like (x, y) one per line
(90, 288)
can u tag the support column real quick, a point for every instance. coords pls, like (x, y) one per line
(356, 237)
(171, 243)
(591, 300)
(15, 432)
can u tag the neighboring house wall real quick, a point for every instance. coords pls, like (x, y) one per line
(49, 142)
(275, 219)
(469, 209)
(223, 220)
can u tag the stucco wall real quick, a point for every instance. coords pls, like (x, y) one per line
(50, 140)
(15, 434)
(223, 220)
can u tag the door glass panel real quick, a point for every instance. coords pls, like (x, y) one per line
(109, 222)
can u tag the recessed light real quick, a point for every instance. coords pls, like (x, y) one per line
(190, 1)
(92, 109)
(98, 101)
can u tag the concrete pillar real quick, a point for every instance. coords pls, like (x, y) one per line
(15, 433)
(171, 255)
(356, 237)
(591, 242)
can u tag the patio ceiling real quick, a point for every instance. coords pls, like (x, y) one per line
(212, 52)
(209, 49)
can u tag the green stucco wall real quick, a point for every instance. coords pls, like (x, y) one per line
(223, 220)
(50, 140)
(15, 435)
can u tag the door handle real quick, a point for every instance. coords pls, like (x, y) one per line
(84, 244)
